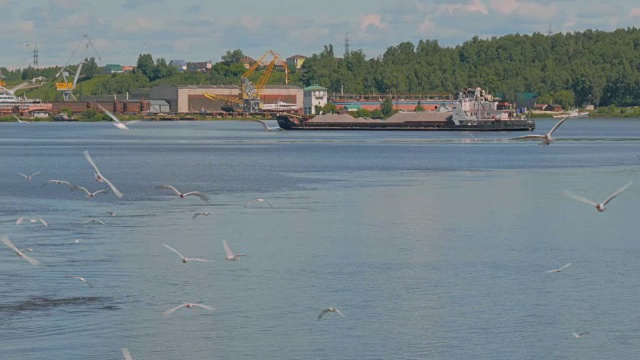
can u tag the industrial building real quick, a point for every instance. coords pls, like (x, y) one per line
(191, 98)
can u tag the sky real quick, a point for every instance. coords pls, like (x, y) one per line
(193, 30)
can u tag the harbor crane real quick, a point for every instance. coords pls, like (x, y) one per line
(67, 85)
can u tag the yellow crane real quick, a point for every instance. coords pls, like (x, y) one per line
(251, 92)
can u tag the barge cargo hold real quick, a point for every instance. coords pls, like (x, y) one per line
(474, 111)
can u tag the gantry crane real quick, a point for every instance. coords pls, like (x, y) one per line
(66, 86)
(250, 92)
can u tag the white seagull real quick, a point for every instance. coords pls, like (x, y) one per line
(94, 221)
(184, 259)
(188, 306)
(579, 335)
(82, 279)
(116, 122)
(230, 254)
(327, 310)
(90, 195)
(267, 127)
(60, 182)
(559, 269)
(40, 220)
(21, 121)
(5, 240)
(600, 207)
(29, 177)
(183, 195)
(99, 176)
(126, 354)
(546, 138)
(204, 213)
(111, 213)
(258, 200)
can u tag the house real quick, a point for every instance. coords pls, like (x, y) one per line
(181, 65)
(247, 61)
(314, 96)
(112, 69)
(200, 66)
(540, 107)
(554, 107)
(128, 68)
(295, 61)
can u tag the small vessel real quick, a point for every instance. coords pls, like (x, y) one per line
(572, 114)
(474, 110)
(279, 106)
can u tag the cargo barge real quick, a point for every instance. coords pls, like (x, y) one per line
(474, 111)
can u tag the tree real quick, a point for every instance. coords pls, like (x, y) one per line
(386, 107)
(418, 108)
(232, 57)
(90, 68)
(145, 65)
(329, 108)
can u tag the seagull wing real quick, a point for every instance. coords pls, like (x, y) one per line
(564, 267)
(90, 160)
(174, 250)
(113, 188)
(268, 203)
(324, 311)
(126, 354)
(196, 259)
(557, 125)
(576, 335)
(43, 222)
(34, 174)
(227, 249)
(171, 311)
(82, 188)
(196, 215)
(120, 125)
(338, 311)
(528, 137)
(100, 191)
(170, 188)
(5, 240)
(19, 221)
(617, 192)
(132, 122)
(198, 194)
(25, 176)
(203, 306)
(579, 198)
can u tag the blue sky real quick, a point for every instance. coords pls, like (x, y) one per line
(198, 30)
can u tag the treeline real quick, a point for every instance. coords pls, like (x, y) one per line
(602, 68)
(572, 69)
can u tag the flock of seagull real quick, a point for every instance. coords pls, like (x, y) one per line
(230, 254)
(101, 178)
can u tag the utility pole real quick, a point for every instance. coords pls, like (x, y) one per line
(397, 93)
(35, 53)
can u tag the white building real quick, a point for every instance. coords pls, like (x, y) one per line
(313, 96)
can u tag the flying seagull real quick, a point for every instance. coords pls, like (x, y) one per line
(184, 259)
(183, 195)
(99, 175)
(29, 177)
(559, 269)
(546, 138)
(258, 200)
(327, 310)
(5, 240)
(60, 182)
(90, 195)
(116, 122)
(94, 221)
(600, 207)
(579, 335)
(40, 220)
(230, 254)
(126, 354)
(204, 213)
(21, 121)
(186, 305)
(82, 279)
(267, 127)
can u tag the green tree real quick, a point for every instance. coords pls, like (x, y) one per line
(386, 107)
(145, 65)
(329, 108)
(232, 57)
(418, 108)
(90, 68)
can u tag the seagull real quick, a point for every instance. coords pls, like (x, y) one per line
(30, 176)
(183, 195)
(559, 269)
(21, 121)
(258, 200)
(99, 176)
(116, 122)
(10, 245)
(111, 213)
(184, 259)
(81, 279)
(40, 220)
(94, 221)
(230, 254)
(267, 127)
(546, 138)
(579, 335)
(600, 207)
(90, 195)
(60, 182)
(327, 310)
(201, 213)
(126, 354)
(188, 306)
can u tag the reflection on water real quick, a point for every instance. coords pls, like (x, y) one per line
(431, 247)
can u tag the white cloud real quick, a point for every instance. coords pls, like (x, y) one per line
(426, 25)
(634, 12)
(505, 7)
(374, 20)
(470, 7)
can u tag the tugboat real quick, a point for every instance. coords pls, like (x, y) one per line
(475, 110)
